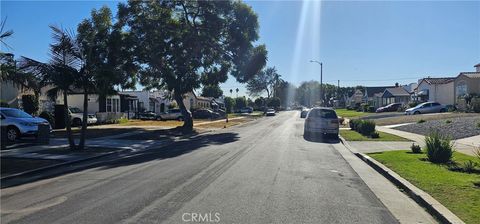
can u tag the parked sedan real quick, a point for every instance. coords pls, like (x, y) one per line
(427, 107)
(270, 112)
(148, 115)
(389, 108)
(205, 114)
(321, 120)
(18, 123)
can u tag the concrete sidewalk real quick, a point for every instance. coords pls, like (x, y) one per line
(466, 145)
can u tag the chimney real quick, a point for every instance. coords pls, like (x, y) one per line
(477, 67)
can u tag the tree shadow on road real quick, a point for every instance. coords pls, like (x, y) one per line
(174, 149)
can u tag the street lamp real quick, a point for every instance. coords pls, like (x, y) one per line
(321, 81)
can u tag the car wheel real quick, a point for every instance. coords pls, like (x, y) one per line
(77, 122)
(416, 112)
(12, 134)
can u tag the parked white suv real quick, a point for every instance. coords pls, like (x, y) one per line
(76, 116)
(321, 120)
(172, 114)
(18, 123)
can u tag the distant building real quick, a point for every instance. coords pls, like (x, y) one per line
(395, 95)
(467, 83)
(440, 90)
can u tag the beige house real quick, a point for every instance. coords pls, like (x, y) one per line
(440, 90)
(192, 101)
(468, 83)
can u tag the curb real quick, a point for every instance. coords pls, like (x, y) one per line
(433, 207)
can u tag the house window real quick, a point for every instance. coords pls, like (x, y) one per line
(461, 88)
(109, 105)
(152, 106)
(113, 105)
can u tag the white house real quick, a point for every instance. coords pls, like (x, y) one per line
(154, 101)
(440, 90)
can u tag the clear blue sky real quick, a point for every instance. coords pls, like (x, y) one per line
(359, 43)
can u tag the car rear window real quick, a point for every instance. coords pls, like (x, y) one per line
(322, 113)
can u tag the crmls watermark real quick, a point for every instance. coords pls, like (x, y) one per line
(196, 217)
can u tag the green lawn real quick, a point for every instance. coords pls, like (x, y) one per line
(350, 135)
(349, 113)
(455, 190)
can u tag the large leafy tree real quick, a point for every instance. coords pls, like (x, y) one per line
(104, 59)
(212, 91)
(264, 82)
(183, 45)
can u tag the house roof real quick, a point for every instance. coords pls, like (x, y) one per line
(443, 80)
(397, 91)
(370, 91)
(204, 98)
(472, 75)
(477, 65)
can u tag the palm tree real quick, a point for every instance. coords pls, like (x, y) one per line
(231, 91)
(237, 91)
(61, 71)
(4, 34)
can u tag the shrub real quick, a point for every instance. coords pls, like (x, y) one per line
(412, 104)
(30, 104)
(448, 121)
(123, 120)
(438, 148)
(4, 104)
(49, 117)
(469, 166)
(416, 148)
(371, 109)
(172, 105)
(421, 121)
(477, 152)
(375, 135)
(366, 127)
(364, 107)
(353, 124)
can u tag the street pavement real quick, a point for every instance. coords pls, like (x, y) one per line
(262, 172)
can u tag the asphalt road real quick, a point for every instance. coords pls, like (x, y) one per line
(262, 172)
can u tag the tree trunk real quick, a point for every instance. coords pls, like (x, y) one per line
(187, 115)
(84, 120)
(71, 142)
